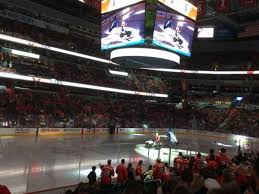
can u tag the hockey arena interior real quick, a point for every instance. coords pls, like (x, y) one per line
(129, 97)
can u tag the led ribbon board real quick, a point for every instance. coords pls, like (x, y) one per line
(59, 50)
(182, 6)
(77, 85)
(145, 52)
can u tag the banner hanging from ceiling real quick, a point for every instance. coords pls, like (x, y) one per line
(222, 6)
(201, 8)
(247, 3)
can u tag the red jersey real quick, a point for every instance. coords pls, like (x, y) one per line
(4, 190)
(158, 171)
(212, 164)
(222, 159)
(122, 173)
(177, 164)
(106, 174)
(139, 172)
(198, 162)
(185, 165)
(207, 159)
(166, 174)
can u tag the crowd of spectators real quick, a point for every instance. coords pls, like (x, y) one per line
(34, 109)
(217, 173)
(50, 37)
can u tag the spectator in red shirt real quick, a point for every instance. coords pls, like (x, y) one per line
(178, 162)
(107, 173)
(4, 190)
(211, 154)
(222, 159)
(139, 171)
(166, 173)
(122, 173)
(212, 164)
(198, 163)
(185, 164)
(158, 170)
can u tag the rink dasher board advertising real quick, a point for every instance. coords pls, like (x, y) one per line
(112, 5)
(25, 131)
(173, 31)
(124, 27)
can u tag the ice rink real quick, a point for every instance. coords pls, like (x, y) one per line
(31, 164)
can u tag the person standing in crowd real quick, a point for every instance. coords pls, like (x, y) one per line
(158, 170)
(178, 163)
(212, 164)
(208, 156)
(122, 174)
(139, 171)
(92, 176)
(149, 173)
(185, 164)
(131, 174)
(198, 163)
(166, 173)
(107, 174)
(222, 159)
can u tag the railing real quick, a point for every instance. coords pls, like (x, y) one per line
(58, 190)
(62, 190)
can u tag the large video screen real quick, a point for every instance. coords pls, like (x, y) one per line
(124, 28)
(111, 5)
(173, 32)
(182, 6)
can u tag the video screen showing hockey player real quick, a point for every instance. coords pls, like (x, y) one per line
(174, 32)
(123, 28)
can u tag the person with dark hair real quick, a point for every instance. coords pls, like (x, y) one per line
(92, 176)
(69, 191)
(210, 155)
(122, 174)
(148, 175)
(187, 176)
(139, 171)
(178, 163)
(198, 185)
(131, 174)
(211, 163)
(198, 163)
(158, 170)
(222, 159)
(107, 173)
(166, 174)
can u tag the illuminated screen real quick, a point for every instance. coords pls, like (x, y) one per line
(173, 32)
(205, 33)
(111, 5)
(124, 28)
(182, 6)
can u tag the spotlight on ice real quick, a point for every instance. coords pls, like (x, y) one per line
(239, 98)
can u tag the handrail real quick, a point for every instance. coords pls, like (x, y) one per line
(51, 189)
(69, 186)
